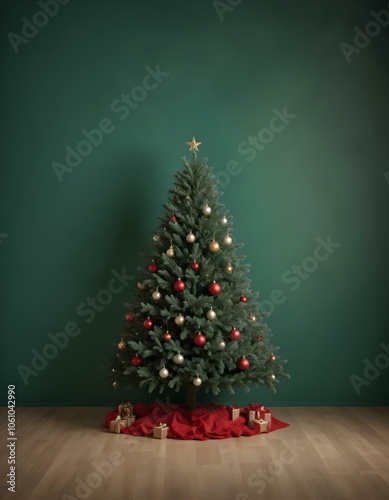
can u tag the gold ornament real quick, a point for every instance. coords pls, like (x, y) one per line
(197, 381)
(211, 315)
(122, 345)
(170, 251)
(140, 285)
(163, 372)
(272, 357)
(156, 295)
(223, 220)
(193, 145)
(179, 320)
(190, 238)
(227, 240)
(156, 237)
(229, 268)
(214, 246)
(252, 318)
(115, 384)
(272, 377)
(178, 358)
(222, 345)
(207, 210)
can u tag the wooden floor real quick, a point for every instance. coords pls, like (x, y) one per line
(326, 453)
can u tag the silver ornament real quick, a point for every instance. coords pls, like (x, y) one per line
(222, 345)
(179, 320)
(197, 381)
(206, 210)
(178, 358)
(211, 315)
(163, 372)
(227, 240)
(224, 220)
(156, 295)
(190, 238)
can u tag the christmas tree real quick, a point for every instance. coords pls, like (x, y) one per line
(195, 321)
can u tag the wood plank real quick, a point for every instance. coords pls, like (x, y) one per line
(326, 453)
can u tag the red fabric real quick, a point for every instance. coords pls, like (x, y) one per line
(207, 422)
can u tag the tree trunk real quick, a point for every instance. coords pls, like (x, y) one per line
(191, 396)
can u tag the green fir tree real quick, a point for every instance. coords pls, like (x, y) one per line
(194, 321)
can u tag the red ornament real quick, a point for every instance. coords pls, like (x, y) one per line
(173, 218)
(129, 317)
(166, 337)
(153, 268)
(179, 285)
(234, 334)
(243, 298)
(136, 360)
(200, 339)
(259, 338)
(243, 363)
(148, 323)
(214, 288)
(195, 266)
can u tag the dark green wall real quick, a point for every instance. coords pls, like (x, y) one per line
(324, 174)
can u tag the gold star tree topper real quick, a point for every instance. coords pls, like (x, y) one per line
(193, 145)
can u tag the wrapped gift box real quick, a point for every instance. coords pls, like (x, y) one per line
(128, 420)
(233, 412)
(126, 410)
(251, 416)
(116, 425)
(259, 413)
(160, 431)
(264, 414)
(261, 425)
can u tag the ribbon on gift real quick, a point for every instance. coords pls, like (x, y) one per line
(161, 425)
(125, 409)
(261, 425)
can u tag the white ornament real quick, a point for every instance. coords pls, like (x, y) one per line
(179, 320)
(197, 381)
(178, 358)
(206, 210)
(163, 372)
(190, 238)
(227, 240)
(156, 295)
(224, 220)
(211, 315)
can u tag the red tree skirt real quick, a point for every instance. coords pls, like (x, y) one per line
(207, 422)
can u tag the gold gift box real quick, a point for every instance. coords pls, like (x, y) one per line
(160, 431)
